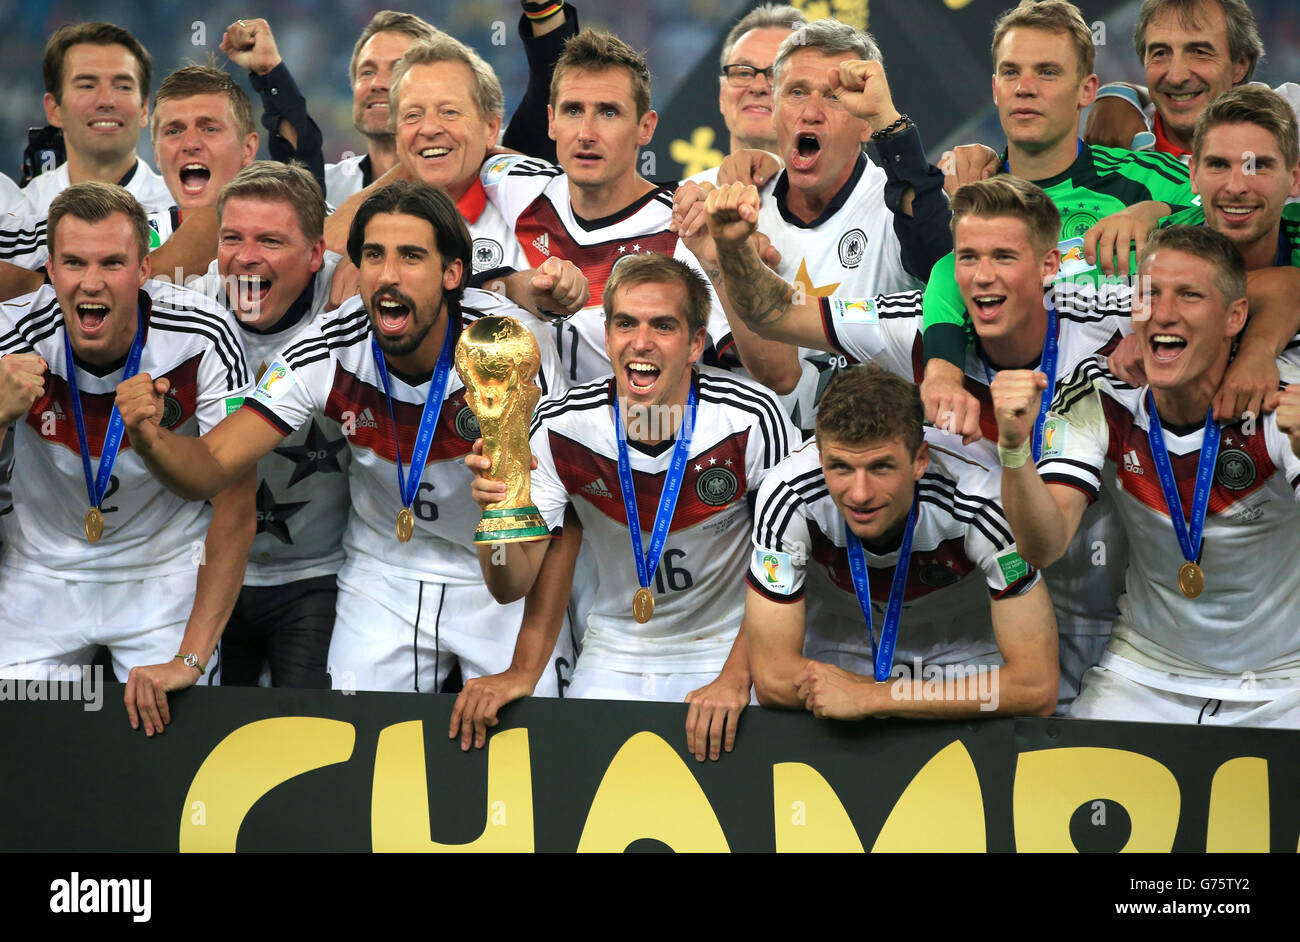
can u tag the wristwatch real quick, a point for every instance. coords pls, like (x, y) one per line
(191, 660)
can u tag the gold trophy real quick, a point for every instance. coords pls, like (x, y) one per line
(497, 359)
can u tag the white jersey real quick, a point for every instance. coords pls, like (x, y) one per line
(709, 176)
(849, 251)
(23, 239)
(1088, 580)
(329, 369)
(302, 485)
(739, 435)
(533, 197)
(148, 531)
(145, 185)
(346, 178)
(1248, 617)
(12, 199)
(963, 554)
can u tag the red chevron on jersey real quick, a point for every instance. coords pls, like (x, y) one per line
(542, 235)
(359, 406)
(714, 480)
(52, 418)
(1243, 465)
(929, 571)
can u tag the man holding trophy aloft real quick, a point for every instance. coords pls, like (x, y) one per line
(411, 601)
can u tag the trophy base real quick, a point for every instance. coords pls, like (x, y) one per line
(511, 525)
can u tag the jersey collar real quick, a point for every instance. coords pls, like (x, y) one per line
(1082, 160)
(781, 192)
(1163, 144)
(472, 204)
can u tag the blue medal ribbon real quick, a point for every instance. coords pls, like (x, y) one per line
(407, 487)
(1047, 366)
(648, 561)
(882, 658)
(1189, 533)
(97, 482)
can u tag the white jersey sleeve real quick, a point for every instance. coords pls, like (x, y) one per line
(297, 382)
(1076, 438)
(513, 181)
(884, 330)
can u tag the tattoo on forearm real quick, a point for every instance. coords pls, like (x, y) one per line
(759, 295)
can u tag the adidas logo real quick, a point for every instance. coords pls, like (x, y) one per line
(597, 488)
(1131, 463)
(543, 244)
(58, 411)
(366, 419)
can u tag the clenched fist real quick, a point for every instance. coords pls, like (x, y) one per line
(732, 214)
(864, 92)
(250, 45)
(22, 382)
(559, 286)
(1017, 399)
(140, 401)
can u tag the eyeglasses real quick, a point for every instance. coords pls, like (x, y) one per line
(741, 75)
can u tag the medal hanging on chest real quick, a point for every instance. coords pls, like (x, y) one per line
(97, 481)
(1191, 578)
(407, 486)
(647, 560)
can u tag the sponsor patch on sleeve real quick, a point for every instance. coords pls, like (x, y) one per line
(276, 381)
(777, 570)
(233, 404)
(1054, 430)
(1013, 567)
(498, 167)
(1073, 261)
(857, 311)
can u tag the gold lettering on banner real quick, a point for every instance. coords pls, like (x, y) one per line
(399, 805)
(249, 763)
(820, 823)
(940, 811)
(1051, 783)
(1239, 807)
(649, 792)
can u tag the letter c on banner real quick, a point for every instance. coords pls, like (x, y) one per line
(249, 763)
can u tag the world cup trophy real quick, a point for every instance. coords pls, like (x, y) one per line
(497, 359)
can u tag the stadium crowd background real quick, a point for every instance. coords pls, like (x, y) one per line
(316, 36)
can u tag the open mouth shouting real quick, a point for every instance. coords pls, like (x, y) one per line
(1236, 215)
(91, 315)
(1166, 348)
(807, 147)
(642, 377)
(194, 178)
(251, 292)
(106, 125)
(392, 312)
(988, 306)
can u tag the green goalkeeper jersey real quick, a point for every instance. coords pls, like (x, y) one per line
(1101, 181)
(1288, 236)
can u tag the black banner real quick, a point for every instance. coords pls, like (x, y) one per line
(285, 770)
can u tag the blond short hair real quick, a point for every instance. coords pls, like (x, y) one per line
(1051, 16)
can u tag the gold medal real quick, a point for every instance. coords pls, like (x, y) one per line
(643, 605)
(405, 525)
(94, 524)
(1191, 580)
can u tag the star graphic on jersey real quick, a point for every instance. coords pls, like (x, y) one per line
(622, 249)
(698, 468)
(318, 453)
(803, 278)
(637, 247)
(271, 516)
(727, 462)
(713, 461)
